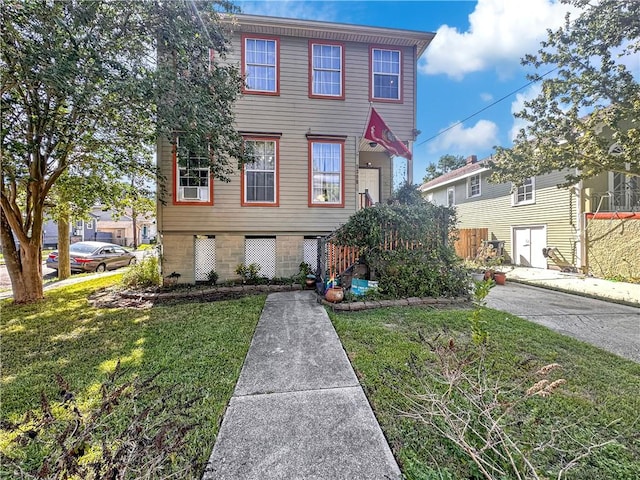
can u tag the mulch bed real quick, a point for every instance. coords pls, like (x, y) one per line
(117, 298)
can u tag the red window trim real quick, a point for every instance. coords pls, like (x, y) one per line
(320, 139)
(401, 86)
(176, 175)
(243, 46)
(263, 138)
(342, 68)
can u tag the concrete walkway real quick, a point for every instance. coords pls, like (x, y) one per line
(298, 410)
(578, 284)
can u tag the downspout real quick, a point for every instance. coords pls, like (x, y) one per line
(415, 114)
(581, 250)
(356, 148)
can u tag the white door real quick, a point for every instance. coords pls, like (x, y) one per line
(528, 243)
(369, 179)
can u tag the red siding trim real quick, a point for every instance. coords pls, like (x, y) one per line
(243, 202)
(176, 174)
(614, 216)
(342, 68)
(401, 86)
(311, 204)
(245, 90)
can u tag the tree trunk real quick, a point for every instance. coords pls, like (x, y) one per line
(135, 229)
(24, 265)
(64, 262)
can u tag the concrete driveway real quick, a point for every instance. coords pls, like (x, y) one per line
(610, 326)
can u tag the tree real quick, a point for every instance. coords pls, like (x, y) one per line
(80, 78)
(446, 163)
(587, 117)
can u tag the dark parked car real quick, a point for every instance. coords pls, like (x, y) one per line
(94, 257)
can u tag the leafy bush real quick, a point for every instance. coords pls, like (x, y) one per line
(248, 273)
(419, 273)
(145, 273)
(212, 277)
(406, 246)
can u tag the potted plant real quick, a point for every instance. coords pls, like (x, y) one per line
(500, 277)
(476, 270)
(308, 274)
(334, 292)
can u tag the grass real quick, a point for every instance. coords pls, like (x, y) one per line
(389, 349)
(197, 349)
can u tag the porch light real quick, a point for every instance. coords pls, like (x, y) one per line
(373, 144)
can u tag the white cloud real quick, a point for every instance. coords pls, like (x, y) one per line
(486, 97)
(484, 134)
(306, 10)
(500, 33)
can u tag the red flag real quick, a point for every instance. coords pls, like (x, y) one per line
(377, 131)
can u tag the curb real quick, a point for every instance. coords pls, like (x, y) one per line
(402, 302)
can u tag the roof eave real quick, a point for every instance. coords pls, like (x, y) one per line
(312, 29)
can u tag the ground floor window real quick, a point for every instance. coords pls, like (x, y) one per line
(326, 171)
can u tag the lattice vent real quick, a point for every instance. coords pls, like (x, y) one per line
(263, 252)
(310, 251)
(205, 257)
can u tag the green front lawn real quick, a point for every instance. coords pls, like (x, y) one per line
(391, 351)
(197, 350)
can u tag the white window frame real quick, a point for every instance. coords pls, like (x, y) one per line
(328, 69)
(375, 73)
(523, 189)
(269, 66)
(451, 202)
(90, 224)
(203, 192)
(274, 171)
(471, 185)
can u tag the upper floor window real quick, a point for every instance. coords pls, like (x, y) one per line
(260, 65)
(525, 193)
(385, 74)
(626, 191)
(451, 197)
(260, 177)
(326, 173)
(473, 186)
(192, 174)
(326, 76)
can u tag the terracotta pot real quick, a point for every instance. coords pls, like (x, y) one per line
(334, 294)
(500, 278)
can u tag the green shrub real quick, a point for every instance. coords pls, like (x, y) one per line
(212, 277)
(145, 273)
(419, 273)
(248, 273)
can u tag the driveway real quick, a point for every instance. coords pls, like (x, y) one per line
(610, 326)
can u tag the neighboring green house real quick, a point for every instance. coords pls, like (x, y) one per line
(307, 98)
(591, 226)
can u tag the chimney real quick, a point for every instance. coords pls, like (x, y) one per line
(471, 159)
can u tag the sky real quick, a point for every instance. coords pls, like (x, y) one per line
(473, 61)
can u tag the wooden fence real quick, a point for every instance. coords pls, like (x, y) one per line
(469, 241)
